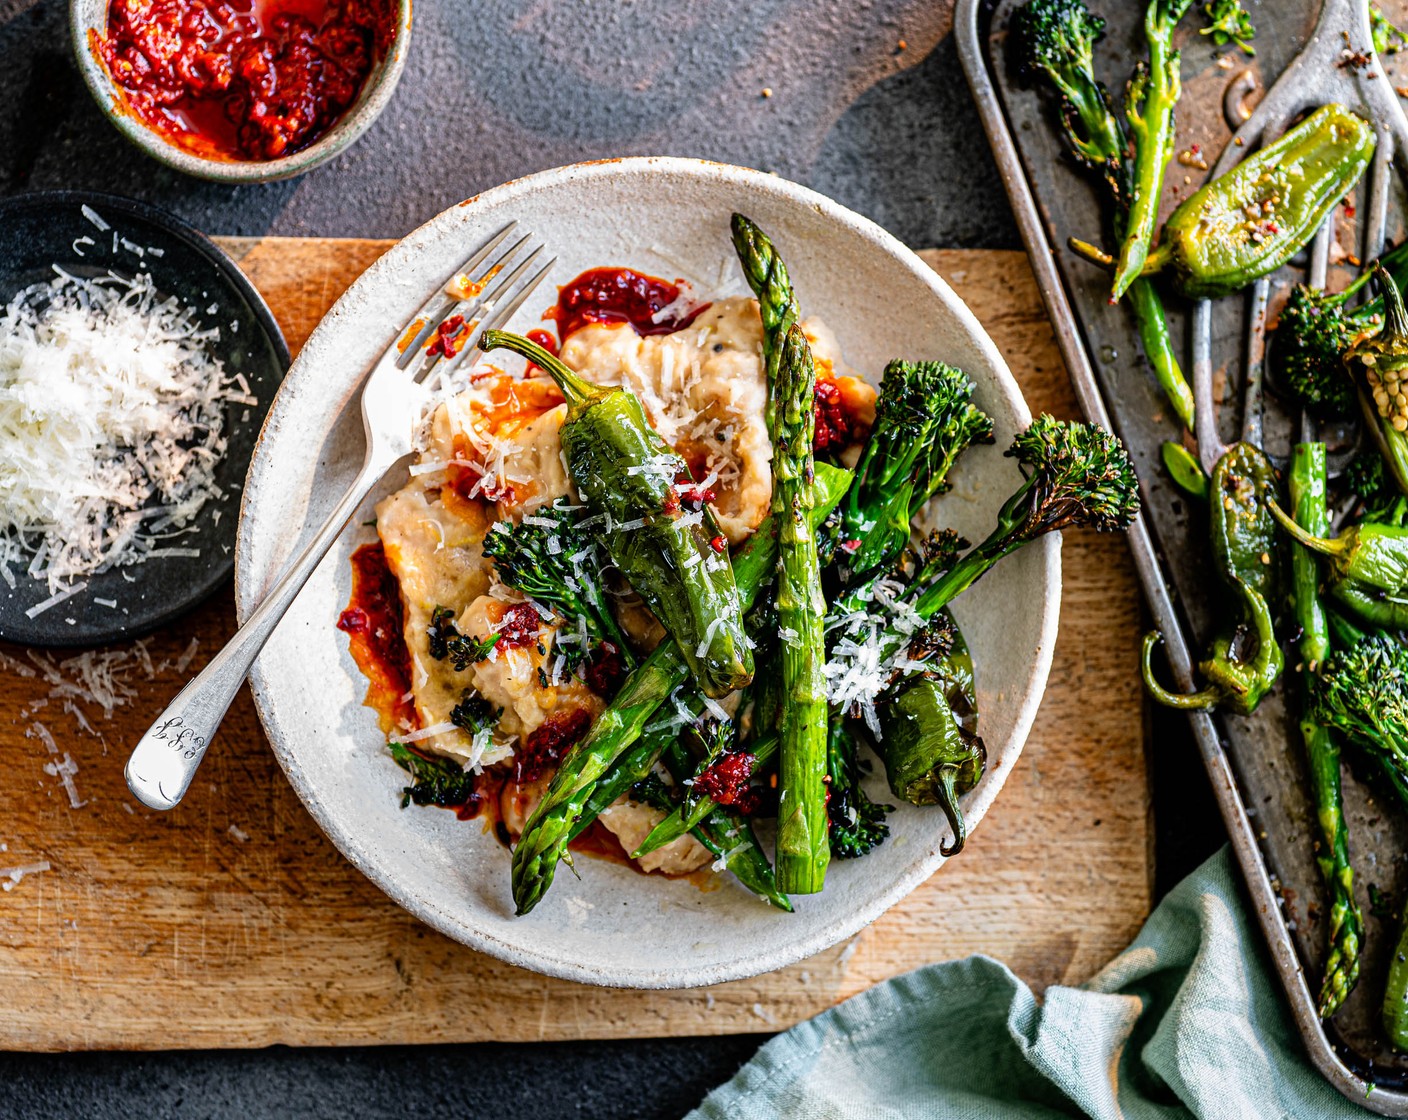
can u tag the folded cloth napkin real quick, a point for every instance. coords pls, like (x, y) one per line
(1187, 1022)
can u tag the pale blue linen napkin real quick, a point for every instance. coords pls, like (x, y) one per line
(1186, 1022)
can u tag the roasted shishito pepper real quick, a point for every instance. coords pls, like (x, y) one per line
(930, 746)
(630, 475)
(1244, 659)
(1378, 364)
(1368, 568)
(1252, 220)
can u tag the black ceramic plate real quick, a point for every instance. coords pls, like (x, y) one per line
(38, 231)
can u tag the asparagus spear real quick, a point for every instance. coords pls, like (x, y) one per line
(803, 850)
(628, 474)
(548, 830)
(803, 847)
(777, 304)
(1323, 752)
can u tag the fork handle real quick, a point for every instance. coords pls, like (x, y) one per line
(166, 759)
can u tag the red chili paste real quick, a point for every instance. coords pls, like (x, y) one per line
(726, 779)
(620, 295)
(373, 622)
(243, 79)
(543, 749)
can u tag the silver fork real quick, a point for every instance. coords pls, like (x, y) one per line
(1319, 74)
(490, 287)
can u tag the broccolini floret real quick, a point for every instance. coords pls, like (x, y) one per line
(1314, 330)
(1229, 22)
(1076, 476)
(925, 419)
(1056, 38)
(857, 824)
(544, 563)
(1363, 693)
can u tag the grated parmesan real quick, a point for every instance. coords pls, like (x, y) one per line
(112, 414)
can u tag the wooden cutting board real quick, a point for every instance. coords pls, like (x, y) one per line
(233, 922)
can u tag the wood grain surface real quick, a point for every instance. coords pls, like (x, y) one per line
(233, 922)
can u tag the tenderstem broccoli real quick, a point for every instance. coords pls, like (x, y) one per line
(925, 419)
(544, 562)
(1055, 39)
(1363, 693)
(1314, 330)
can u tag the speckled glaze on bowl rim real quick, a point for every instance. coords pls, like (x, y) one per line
(450, 874)
(87, 17)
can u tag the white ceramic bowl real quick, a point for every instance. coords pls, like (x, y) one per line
(614, 926)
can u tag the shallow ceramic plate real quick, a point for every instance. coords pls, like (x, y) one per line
(614, 926)
(41, 230)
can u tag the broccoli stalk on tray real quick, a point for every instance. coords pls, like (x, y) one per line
(1314, 330)
(1149, 102)
(545, 563)
(1055, 39)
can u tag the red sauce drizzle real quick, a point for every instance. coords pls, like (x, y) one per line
(619, 295)
(604, 671)
(520, 626)
(243, 79)
(543, 749)
(374, 625)
(726, 780)
(836, 428)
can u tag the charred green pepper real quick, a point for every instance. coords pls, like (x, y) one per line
(1378, 364)
(1244, 659)
(628, 475)
(930, 743)
(1252, 220)
(1368, 568)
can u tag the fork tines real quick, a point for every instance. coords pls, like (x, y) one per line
(483, 293)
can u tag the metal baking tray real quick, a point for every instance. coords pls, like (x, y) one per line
(1256, 764)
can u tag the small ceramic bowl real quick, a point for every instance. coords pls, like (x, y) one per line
(60, 229)
(88, 19)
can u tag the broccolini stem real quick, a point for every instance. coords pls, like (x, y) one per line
(1308, 480)
(564, 805)
(1152, 95)
(1153, 333)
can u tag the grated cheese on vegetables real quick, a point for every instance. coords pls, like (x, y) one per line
(112, 414)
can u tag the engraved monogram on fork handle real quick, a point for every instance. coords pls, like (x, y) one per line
(165, 760)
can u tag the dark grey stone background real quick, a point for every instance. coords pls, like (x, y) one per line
(493, 90)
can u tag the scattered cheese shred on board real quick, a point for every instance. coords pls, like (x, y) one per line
(112, 415)
(10, 876)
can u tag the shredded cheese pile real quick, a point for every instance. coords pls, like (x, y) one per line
(112, 416)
